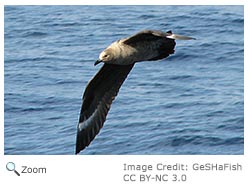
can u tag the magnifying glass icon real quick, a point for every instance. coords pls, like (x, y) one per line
(10, 166)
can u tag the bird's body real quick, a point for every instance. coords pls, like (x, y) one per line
(119, 58)
(144, 46)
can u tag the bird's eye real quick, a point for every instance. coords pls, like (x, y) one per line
(105, 55)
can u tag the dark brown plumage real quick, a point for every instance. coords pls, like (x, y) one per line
(97, 99)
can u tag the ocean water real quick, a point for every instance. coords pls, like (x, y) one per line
(189, 103)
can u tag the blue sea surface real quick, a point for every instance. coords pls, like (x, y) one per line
(190, 103)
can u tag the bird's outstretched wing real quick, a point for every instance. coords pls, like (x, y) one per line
(97, 100)
(146, 35)
(155, 44)
(153, 35)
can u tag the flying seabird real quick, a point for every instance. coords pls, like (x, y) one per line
(118, 59)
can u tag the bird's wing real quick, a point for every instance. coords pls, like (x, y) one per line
(146, 35)
(154, 44)
(97, 100)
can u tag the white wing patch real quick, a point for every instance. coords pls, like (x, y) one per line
(179, 37)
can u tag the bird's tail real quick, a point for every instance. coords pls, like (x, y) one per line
(171, 35)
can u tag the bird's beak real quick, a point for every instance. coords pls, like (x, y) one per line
(97, 62)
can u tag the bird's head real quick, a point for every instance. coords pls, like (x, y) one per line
(106, 56)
